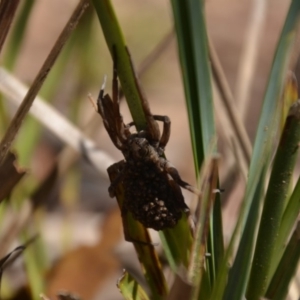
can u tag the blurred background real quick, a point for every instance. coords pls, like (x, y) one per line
(79, 225)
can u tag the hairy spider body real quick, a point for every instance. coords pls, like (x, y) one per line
(150, 193)
(151, 184)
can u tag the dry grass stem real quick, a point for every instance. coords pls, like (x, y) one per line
(249, 55)
(14, 90)
(10, 175)
(39, 80)
(226, 95)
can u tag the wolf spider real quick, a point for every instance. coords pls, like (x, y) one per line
(151, 183)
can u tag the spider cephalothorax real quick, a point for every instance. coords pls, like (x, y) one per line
(151, 184)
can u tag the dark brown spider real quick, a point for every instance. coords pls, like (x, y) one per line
(151, 183)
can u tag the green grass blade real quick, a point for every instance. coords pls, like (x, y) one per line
(286, 270)
(282, 171)
(262, 149)
(177, 244)
(33, 269)
(288, 221)
(237, 281)
(114, 39)
(198, 256)
(193, 53)
(130, 289)
(268, 120)
(216, 240)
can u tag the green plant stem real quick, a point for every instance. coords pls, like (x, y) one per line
(115, 42)
(289, 218)
(284, 164)
(279, 285)
(197, 262)
(193, 53)
(130, 289)
(190, 25)
(33, 270)
(237, 282)
(216, 239)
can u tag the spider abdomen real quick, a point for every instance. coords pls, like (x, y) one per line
(152, 196)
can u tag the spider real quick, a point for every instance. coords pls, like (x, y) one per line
(151, 183)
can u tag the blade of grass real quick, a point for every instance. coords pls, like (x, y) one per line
(39, 80)
(197, 262)
(289, 97)
(288, 221)
(193, 53)
(34, 275)
(115, 40)
(287, 268)
(215, 243)
(130, 289)
(262, 151)
(279, 183)
(223, 270)
(177, 245)
(242, 260)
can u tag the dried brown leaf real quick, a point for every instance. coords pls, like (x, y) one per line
(7, 11)
(10, 175)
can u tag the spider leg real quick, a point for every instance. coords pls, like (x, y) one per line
(166, 130)
(130, 124)
(172, 171)
(105, 109)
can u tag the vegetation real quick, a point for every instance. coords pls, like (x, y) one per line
(261, 256)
